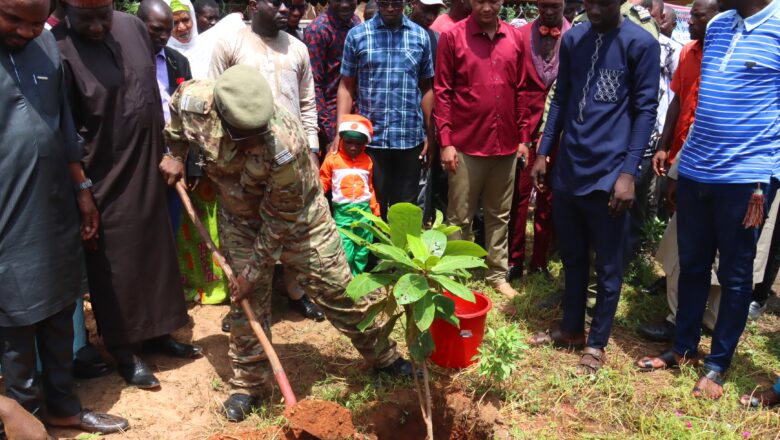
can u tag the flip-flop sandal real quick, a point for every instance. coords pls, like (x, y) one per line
(591, 361)
(557, 340)
(713, 376)
(670, 363)
(757, 402)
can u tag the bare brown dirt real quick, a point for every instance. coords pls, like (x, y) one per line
(188, 405)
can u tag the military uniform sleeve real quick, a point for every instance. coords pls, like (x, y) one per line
(174, 130)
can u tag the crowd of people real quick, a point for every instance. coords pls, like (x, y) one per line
(283, 128)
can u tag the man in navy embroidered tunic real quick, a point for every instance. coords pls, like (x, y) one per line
(605, 109)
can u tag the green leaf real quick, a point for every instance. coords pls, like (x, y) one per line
(435, 241)
(373, 230)
(433, 260)
(454, 287)
(371, 315)
(439, 219)
(447, 230)
(360, 241)
(424, 311)
(368, 215)
(445, 309)
(87, 436)
(422, 346)
(392, 253)
(464, 248)
(405, 219)
(450, 263)
(418, 248)
(410, 288)
(365, 283)
(385, 266)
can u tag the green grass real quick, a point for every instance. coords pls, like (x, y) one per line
(545, 399)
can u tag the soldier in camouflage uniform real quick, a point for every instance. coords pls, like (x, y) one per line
(271, 209)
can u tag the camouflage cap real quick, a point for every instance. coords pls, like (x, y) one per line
(243, 98)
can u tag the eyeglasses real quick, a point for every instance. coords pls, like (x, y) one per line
(236, 138)
(389, 3)
(288, 4)
(301, 8)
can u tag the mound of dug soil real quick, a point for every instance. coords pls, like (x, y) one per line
(321, 420)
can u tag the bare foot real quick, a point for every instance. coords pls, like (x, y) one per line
(708, 388)
(763, 399)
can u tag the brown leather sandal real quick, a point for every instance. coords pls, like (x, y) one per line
(558, 339)
(591, 361)
(765, 399)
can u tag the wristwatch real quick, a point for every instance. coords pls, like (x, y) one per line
(87, 184)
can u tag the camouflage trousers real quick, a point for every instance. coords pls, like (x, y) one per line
(312, 252)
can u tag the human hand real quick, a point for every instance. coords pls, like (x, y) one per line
(333, 147)
(449, 159)
(90, 217)
(622, 195)
(523, 151)
(240, 288)
(20, 424)
(671, 195)
(426, 155)
(660, 163)
(172, 170)
(539, 173)
(315, 159)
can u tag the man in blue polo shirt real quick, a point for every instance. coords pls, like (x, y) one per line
(387, 70)
(725, 168)
(605, 108)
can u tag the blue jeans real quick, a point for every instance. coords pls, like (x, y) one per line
(583, 223)
(709, 219)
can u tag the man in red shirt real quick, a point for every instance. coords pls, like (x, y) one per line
(479, 113)
(459, 10)
(541, 40)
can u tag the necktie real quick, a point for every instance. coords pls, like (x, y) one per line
(553, 32)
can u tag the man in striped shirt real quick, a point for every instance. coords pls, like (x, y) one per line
(730, 156)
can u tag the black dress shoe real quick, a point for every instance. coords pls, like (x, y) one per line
(305, 307)
(515, 273)
(138, 374)
(658, 286)
(545, 272)
(83, 370)
(238, 406)
(171, 347)
(95, 422)
(226, 323)
(658, 332)
(400, 368)
(87, 364)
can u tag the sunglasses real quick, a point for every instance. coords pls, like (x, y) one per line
(389, 3)
(288, 4)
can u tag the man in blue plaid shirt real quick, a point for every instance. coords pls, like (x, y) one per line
(387, 68)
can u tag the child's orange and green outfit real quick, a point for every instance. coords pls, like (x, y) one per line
(350, 182)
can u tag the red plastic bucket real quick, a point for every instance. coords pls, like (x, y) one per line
(455, 347)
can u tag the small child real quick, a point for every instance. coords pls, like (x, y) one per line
(348, 175)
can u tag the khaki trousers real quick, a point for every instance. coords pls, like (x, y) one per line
(489, 181)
